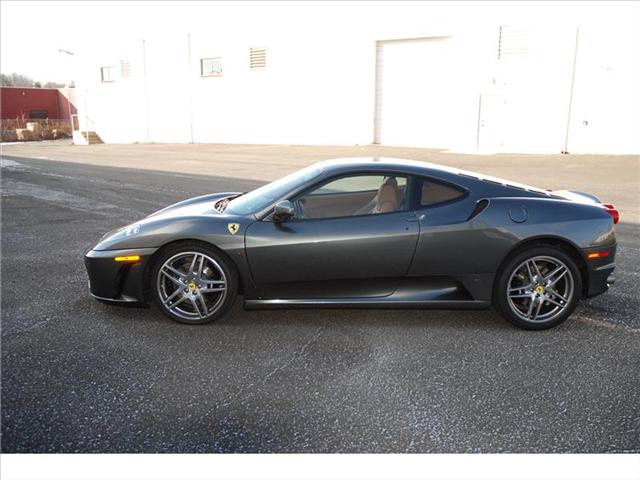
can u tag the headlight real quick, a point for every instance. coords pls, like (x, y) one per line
(131, 230)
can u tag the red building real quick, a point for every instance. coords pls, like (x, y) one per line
(20, 103)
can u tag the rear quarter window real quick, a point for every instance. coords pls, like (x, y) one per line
(434, 193)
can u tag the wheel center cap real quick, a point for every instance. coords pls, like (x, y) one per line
(539, 289)
(192, 286)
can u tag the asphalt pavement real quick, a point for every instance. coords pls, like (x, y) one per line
(81, 376)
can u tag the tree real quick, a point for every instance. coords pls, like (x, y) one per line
(54, 85)
(5, 80)
(18, 80)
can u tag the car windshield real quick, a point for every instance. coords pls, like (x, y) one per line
(262, 197)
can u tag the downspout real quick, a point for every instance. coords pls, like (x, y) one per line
(573, 81)
(190, 80)
(146, 88)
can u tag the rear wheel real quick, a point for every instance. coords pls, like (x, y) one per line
(193, 283)
(538, 288)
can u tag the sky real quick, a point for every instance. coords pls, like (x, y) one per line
(31, 33)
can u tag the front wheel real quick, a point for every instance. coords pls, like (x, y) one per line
(538, 288)
(193, 283)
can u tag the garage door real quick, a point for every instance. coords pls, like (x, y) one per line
(423, 95)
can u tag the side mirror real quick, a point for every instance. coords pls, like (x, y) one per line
(283, 210)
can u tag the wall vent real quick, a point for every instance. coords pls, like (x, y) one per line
(257, 58)
(513, 42)
(125, 68)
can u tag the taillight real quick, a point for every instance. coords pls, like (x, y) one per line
(611, 210)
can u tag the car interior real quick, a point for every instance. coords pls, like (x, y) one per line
(349, 196)
(368, 194)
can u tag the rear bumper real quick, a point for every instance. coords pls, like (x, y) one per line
(599, 270)
(118, 282)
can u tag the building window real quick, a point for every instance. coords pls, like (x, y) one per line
(257, 58)
(211, 67)
(108, 74)
(39, 114)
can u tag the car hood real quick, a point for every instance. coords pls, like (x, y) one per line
(167, 223)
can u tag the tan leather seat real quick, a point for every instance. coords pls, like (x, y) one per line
(387, 198)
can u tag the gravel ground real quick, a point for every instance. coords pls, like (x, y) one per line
(80, 376)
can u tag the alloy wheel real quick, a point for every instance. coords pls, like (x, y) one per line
(540, 289)
(191, 285)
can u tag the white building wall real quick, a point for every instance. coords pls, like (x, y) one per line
(319, 86)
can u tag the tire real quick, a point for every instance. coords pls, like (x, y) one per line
(542, 299)
(193, 283)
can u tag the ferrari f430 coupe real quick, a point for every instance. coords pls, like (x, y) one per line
(366, 233)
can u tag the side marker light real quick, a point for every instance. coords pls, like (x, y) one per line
(593, 255)
(128, 258)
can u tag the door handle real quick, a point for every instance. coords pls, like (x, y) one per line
(415, 218)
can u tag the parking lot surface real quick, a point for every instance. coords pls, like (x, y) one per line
(80, 376)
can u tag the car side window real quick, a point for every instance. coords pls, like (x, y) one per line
(354, 195)
(433, 193)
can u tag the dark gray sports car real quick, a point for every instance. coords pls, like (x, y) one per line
(367, 233)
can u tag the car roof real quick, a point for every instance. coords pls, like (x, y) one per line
(456, 175)
(379, 162)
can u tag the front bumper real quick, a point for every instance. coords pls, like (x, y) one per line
(119, 282)
(599, 270)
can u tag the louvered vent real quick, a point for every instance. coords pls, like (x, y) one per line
(125, 68)
(257, 58)
(513, 42)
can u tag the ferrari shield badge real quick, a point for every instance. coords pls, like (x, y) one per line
(233, 228)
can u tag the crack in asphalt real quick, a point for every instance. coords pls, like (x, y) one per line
(300, 353)
(605, 324)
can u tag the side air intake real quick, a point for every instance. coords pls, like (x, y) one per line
(480, 206)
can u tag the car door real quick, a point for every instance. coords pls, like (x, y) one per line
(343, 242)
(446, 238)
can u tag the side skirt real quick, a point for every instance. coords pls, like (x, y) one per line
(274, 304)
(417, 292)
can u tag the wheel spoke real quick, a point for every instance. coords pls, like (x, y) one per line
(174, 270)
(551, 300)
(519, 289)
(556, 294)
(212, 290)
(197, 308)
(204, 304)
(531, 305)
(521, 295)
(166, 270)
(536, 270)
(175, 304)
(558, 277)
(201, 266)
(530, 273)
(193, 264)
(537, 310)
(214, 285)
(555, 272)
(172, 296)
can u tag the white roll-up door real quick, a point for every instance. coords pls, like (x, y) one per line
(423, 97)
